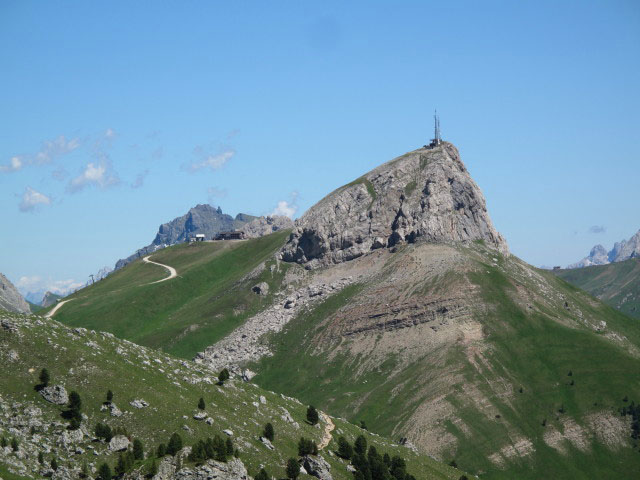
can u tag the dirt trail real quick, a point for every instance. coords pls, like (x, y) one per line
(172, 271)
(326, 437)
(58, 305)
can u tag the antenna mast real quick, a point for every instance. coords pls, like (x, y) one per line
(437, 139)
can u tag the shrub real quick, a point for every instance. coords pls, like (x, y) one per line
(223, 376)
(262, 475)
(363, 425)
(41, 458)
(312, 415)
(54, 464)
(3, 442)
(14, 444)
(201, 404)
(153, 468)
(109, 396)
(293, 469)
(44, 377)
(345, 450)
(103, 431)
(175, 444)
(269, 433)
(229, 447)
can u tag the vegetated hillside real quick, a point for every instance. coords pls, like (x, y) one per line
(153, 396)
(616, 284)
(473, 356)
(209, 298)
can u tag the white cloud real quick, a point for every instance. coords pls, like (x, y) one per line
(109, 133)
(208, 160)
(98, 174)
(15, 164)
(31, 199)
(286, 208)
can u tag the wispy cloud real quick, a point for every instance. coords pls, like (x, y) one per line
(597, 229)
(49, 150)
(286, 208)
(99, 174)
(31, 199)
(139, 181)
(208, 160)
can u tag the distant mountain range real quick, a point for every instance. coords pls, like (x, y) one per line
(620, 252)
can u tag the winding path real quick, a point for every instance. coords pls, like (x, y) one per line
(172, 271)
(326, 437)
(55, 309)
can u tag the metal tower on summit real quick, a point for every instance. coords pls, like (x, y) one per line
(437, 139)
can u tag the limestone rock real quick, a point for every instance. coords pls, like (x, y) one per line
(200, 415)
(10, 298)
(426, 194)
(139, 403)
(119, 443)
(620, 252)
(317, 466)
(55, 394)
(267, 443)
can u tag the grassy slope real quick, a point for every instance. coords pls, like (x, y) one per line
(186, 314)
(529, 350)
(617, 284)
(134, 372)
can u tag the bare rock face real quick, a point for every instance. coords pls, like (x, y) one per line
(426, 194)
(10, 298)
(119, 443)
(317, 467)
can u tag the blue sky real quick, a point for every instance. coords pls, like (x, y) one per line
(119, 116)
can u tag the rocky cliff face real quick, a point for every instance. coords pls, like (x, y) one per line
(266, 225)
(10, 298)
(620, 252)
(199, 219)
(426, 194)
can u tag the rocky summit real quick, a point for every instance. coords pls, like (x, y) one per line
(10, 298)
(620, 252)
(426, 194)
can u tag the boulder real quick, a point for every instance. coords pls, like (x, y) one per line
(119, 443)
(317, 466)
(200, 415)
(267, 443)
(55, 394)
(139, 403)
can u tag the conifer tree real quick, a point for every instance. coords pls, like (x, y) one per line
(312, 415)
(44, 377)
(162, 450)
(360, 446)
(293, 469)
(54, 464)
(109, 396)
(262, 475)
(201, 404)
(175, 444)
(269, 433)
(14, 444)
(104, 472)
(138, 449)
(223, 376)
(345, 450)
(229, 447)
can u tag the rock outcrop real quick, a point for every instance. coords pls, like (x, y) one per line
(55, 394)
(426, 194)
(620, 252)
(265, 225)
(10, 298)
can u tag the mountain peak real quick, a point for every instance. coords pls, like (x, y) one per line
(426, 194)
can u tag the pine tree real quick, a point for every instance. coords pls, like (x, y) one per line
(201, 404)
(262, 475)
(363, 425)
(360, 446)
(399, 468)
(41, 458)
(120, 468)
(109, 396)
(220, 449)
(312, 415)
(175, 444)
(293, 469)
(104, 472)
(44, 377)
(84, 471)
(345, 450)
(14, 444)
(162, 450)
(3, 441)
(138, 449)
(54, 464)
(269, 433)
(153, 468)
(307, 447)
